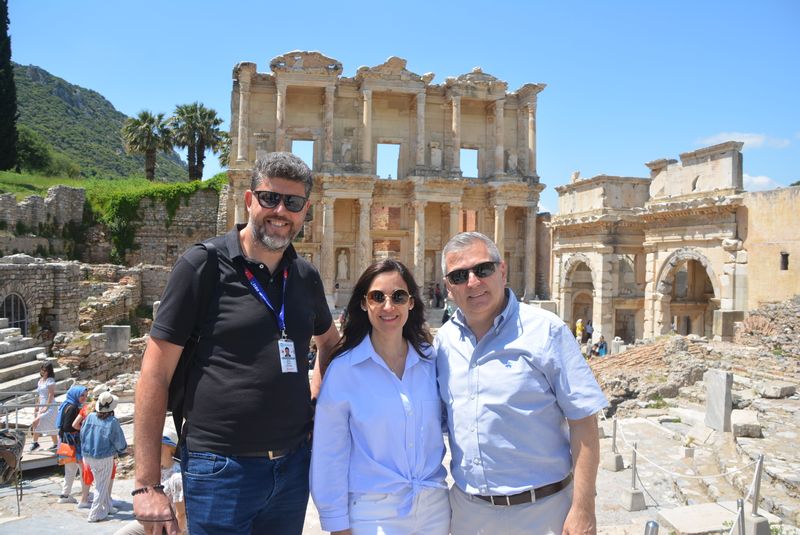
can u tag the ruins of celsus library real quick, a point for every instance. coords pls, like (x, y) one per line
(357, 216)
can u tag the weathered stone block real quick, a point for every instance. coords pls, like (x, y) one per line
(724, 320)
(745, 424)
(719, 401)
(775, 389)
(118, 338)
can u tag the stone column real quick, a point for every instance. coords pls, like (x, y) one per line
(419, 242)
(456, 132)
(602, 303)
(328, 124)
(455, 219)
(500, 229)
(327, 259)
(499, 136)
(280, 113)
(652, 300)
(421, 129)
(532, 139)
(244, 120)
(530, 253)
(366, 148)
(364, 235)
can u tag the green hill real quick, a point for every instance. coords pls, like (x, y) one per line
(82, 124)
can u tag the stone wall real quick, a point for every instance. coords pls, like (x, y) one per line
(85, 356)
(161, 240)
(50, 290)
(770, 228)
(62, 205)
(715, 168)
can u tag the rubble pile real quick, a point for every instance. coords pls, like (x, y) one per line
(775, 326)
(85, 356)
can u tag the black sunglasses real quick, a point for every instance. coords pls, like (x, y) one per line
(482, 270)
(271, 199)
(398, 297)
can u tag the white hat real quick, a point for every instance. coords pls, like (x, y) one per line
(106, 402)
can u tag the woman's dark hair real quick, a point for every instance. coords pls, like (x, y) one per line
(357, 325)
(48, 369)
(104, 415)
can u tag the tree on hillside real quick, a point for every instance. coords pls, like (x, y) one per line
(147, 134)
(795, 183)
(196, 128)
(8, 96)
(33, 152)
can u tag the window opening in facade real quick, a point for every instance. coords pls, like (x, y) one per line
(388, 161)
(305, 150)
(469, 163)
(15, 310)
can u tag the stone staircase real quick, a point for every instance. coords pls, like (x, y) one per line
(20, 361)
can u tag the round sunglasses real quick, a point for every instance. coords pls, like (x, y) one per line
(271, 199)
(398, 297)
(482, 270)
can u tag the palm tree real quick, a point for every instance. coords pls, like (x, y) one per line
(147, 134)
(225, 149)
(196, 128)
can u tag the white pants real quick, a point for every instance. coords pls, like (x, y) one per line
(473, 516)
(101, 469)
(70, 471)
(376, 514)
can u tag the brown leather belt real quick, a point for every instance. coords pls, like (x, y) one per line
(529, 495)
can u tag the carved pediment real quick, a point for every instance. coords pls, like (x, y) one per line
(477, 79)
(300, 61)
(393, 68)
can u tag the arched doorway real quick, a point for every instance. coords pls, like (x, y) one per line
(578, 291)
(689, 294)
(14, 309)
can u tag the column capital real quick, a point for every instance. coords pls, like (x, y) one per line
(330, 89)
(419, 205)
(366, 93)
(365, 202)
(244, 85)
(281, 86)
(327, 201)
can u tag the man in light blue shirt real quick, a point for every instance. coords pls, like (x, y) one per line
(521, 405)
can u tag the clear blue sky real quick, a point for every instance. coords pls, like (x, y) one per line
(627, 82)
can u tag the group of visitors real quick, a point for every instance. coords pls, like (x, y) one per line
(506, 380)
(88, 438)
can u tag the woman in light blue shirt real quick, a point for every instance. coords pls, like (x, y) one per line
(376, 465)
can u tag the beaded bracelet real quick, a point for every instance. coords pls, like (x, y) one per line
(144, 490)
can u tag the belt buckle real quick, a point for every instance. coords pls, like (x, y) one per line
(276, 454)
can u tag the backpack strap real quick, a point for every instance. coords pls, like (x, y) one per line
(209, 278)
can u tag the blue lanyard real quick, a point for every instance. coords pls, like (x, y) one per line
(281, 315)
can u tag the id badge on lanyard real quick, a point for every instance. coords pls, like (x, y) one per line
(286, 352)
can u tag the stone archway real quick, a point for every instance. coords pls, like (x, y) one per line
(687, 293)
(577, 289)
(14, 309)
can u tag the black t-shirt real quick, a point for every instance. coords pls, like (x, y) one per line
(67, 417)
(238, 401)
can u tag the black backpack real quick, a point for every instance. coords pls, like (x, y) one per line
(177, 387)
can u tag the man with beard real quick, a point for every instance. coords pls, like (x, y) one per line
(248, 408)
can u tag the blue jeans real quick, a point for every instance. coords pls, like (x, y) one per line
(244, 495)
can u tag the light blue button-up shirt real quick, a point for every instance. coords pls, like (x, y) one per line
(508, 398)
(375, 433)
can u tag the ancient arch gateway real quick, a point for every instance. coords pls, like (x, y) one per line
(358, 216)
(685, 250)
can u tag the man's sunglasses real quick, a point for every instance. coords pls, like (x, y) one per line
(398, 297)
(270, 199)
(482, 270)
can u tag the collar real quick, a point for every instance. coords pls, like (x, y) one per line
(510, 310)
(365, 351)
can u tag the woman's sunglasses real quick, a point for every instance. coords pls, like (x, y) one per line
(482, 270)
(398, 297)
(270, 199)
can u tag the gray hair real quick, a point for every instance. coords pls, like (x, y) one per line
(463, 240)
(282, 165)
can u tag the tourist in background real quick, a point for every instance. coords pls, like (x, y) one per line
(101, 440)
(68, 422)
(172, 482)
(602, 346)
(521, 405)
(45, 421)
(588, 331)
(377, 467)
(579, 330)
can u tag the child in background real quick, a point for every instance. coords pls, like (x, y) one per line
(101, 439)
(173, 485)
